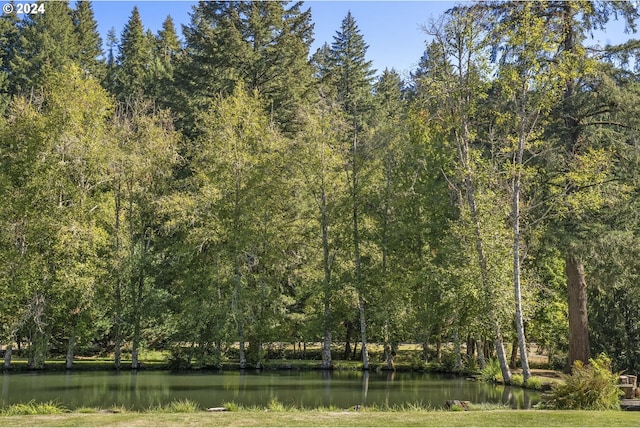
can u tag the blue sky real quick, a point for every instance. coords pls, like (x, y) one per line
(390, 28)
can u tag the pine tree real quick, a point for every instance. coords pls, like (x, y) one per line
(9, 33)
(265, 45)
(89, 48)
(110, 78)
(165, 55)
(48, 42)
(133, 60)
(352, 74)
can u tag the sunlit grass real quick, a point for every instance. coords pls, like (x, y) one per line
(176, 406)
(33, 408)
(336, 417)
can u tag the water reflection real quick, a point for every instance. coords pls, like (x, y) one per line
(140, 390)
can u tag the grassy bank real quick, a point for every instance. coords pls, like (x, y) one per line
(492, 418)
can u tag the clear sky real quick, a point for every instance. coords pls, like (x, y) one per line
(392, 29)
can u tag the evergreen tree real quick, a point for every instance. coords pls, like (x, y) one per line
(110, 78)
(134, 59)
(89, 48)
(9, 33)
(165, 55)
(352, 72)
(265, 45)
(48, 42)
(353, 75)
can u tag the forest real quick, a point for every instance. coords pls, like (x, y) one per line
(221, 190)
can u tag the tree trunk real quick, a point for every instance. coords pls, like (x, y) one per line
(347, 341)
(388, 352)
(578, 321)
(243, 354)
(326, 347)
(71, 348)
(480, 352)
(363, 334)
(517, 286)
(456, 347)
(463, 148)
(117, 317)
(502, 359)
(514, 354)
(7, 354)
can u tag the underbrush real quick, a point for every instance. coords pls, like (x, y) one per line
(589, 387)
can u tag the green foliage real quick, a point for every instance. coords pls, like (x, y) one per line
(274, 405)
(33, 408)
(589, 387)
(293, 199)
(534, 383)
(517, 380)
(231, 406)
(176, 406)
(491, 371)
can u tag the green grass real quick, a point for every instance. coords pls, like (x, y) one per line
(33, 408)
(488, 418)
(176, 406)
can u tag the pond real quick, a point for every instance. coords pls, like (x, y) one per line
(140, 390)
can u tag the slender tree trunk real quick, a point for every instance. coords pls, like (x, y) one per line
(326, 346)
(388, 351)
(425, 351)
(522, 341)
(463, 147)
(456, 347)
(578, 320)
(514, 354)
(117, 318)
(363, 334)
(356, 246)
(347, 341)
(71, 348)
(480, 353)
(7, 354)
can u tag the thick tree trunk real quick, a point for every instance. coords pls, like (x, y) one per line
(578, 320)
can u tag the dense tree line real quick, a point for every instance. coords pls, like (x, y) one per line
(229, 190)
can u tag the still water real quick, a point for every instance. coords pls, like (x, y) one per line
(301, 388)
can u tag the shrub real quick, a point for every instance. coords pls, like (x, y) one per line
(534, 383)
(491, 371)
(589, 387)
(517, 380)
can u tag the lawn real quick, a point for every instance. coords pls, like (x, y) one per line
(490, 418)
